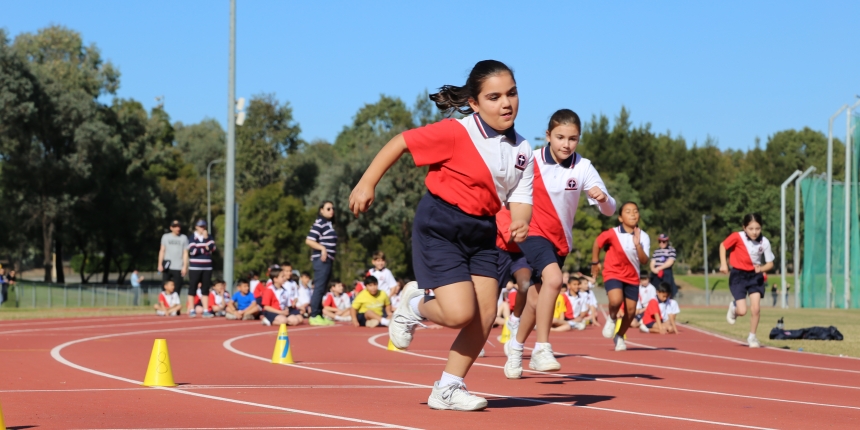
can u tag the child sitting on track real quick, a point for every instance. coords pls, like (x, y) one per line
(168, 302)
(336, 304)
(243, 306)
(562, 318)
(277, 300)
(371, 306)
(219, 298)
(381, 273)
(647, 292)
(659, 314)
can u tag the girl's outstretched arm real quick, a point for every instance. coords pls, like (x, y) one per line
(362, 195)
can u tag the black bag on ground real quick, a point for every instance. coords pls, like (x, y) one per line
(810, 333)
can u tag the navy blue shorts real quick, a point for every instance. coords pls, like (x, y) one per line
(269, 316)
(650, 324)
(540, 253)
(510, 263)
(743, 282)
(449, 245)
(631, 291)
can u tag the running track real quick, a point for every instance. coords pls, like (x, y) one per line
(85, 374)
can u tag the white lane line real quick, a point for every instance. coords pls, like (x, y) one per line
(222, 387)
(104, 326)
(62, 320)
(761, 362)
(242, 428)
(372, 341)
(56, 353)
(228, 344)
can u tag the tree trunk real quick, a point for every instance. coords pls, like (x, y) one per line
(107, 260)
(47, 243)
(58, 246)
(85, 278)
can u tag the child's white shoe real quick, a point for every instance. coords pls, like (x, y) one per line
(644, 328)
(620, 345)
(731, 317)
(753, 342)
(454, 397)
(609, 328)
(543, 360)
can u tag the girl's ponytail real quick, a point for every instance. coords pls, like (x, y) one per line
(451, 98)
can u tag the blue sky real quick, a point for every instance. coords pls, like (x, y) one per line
(731, 70)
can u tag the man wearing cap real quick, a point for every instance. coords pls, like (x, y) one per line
(662, 262)
(173, 256)
(200, 266)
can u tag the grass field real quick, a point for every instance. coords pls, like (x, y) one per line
(847, 321)
(718, 282)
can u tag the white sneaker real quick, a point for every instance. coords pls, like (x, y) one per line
(543, 360)
(192, 314)
(513, 327)
(644, 328)
(514, 365)
(481, 354)
(454, 397)
(343, 318)
(265, 321)
(159, 313)
(403, 323)
(753, 342)
(231, 317)
(507, 347)
(619, 343)
(609, 328)
(730, 315)
(579, 326)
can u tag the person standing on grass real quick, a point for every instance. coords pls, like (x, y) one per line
(747, 277)
(136, 279)
(662, 262)
(322, 239)
(173, 257)
(200, 258)
(477, 165)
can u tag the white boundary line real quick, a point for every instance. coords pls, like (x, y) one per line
(221, 387)
(56, 353)
(228, 344)
(372, 341)
(243, 428)
(104, 326)
(4, 323)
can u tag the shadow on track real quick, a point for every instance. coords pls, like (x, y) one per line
(524, 402)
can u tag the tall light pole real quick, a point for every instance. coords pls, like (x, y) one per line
(705, 252)
(209, 193)
(847, 243)
(230, 196)
(797, 233)
(782, 246)
(829, 236)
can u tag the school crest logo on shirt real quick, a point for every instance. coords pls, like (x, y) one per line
(521, 162)
(571, 184)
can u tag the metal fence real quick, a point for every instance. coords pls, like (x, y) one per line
(43, 295)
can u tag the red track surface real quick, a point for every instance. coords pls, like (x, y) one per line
(85, 373)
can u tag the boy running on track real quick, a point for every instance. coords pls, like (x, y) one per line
(561, 176)
(626, 250)
(477, 165)
(749, 248)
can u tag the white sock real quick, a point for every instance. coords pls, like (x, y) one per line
(541, 345)
(514, 319)
(751, 336)
(515, 345)
(414, 305)
(383, 322)
(449, 379)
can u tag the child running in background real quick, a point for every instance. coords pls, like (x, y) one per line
(659, 314)
(277, 301)
(477, 164)
(336, 304)
(381, 273)
(647, 292)
(749, 248)
(561, 177)
(168, 301)
(626, 250)
(371, 306)
(243, 305)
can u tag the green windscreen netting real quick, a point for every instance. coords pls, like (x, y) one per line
(813, 279)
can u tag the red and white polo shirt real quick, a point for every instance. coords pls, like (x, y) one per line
(622, 260)
(472, 166)
(503, 224)
(168, 300)
(557, 188)
(738, 242)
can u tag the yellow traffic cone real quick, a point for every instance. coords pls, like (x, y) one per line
(283, 354)
(159, 373)
(618, 327)
(391, 347)
(506, 333)
(2, 423)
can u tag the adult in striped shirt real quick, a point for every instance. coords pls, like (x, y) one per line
(200, 267)
(322, 239)
(661, 264)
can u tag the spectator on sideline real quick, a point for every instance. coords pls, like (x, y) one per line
(276, 301)
(135, 286)
(168, 301)
(304, 291)
(200, 269)
(371, 306)
(662, 262)
(253, 281)
(562, 317)
(395, 294)
(322, 239)
(219, 298)
(381, 273)
(305, 279)
(244, 305)
(659, 316)
(4, 287)
(336, 304)
(647, 292)
(773, 294)
(173, 257)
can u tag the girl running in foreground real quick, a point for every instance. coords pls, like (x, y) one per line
(626, 249)
(477, 165)
(748, 249)
(561, 175)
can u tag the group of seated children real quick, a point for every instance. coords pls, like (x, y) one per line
(655, 310)
(576, 304)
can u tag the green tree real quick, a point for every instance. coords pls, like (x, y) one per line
(268, 135)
